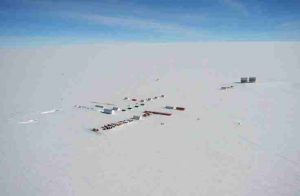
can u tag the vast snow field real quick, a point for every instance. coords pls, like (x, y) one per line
(239, 141)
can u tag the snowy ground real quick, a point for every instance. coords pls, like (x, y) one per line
(239, 141)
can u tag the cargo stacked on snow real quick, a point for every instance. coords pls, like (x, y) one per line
(143, 100)
(226, 87)
(117, 124)
(122, 122)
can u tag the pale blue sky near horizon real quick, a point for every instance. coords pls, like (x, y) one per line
(33, 22)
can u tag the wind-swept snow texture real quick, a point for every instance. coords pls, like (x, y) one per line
(238, 141)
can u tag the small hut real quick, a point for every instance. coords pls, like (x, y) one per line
(108, 111)
(115, 108)
(170, 107)
(252, 79)
(135, 117)
(244, 80)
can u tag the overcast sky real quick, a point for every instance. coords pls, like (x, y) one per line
(24, 22)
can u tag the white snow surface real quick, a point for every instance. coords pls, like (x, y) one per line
(239, 141)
